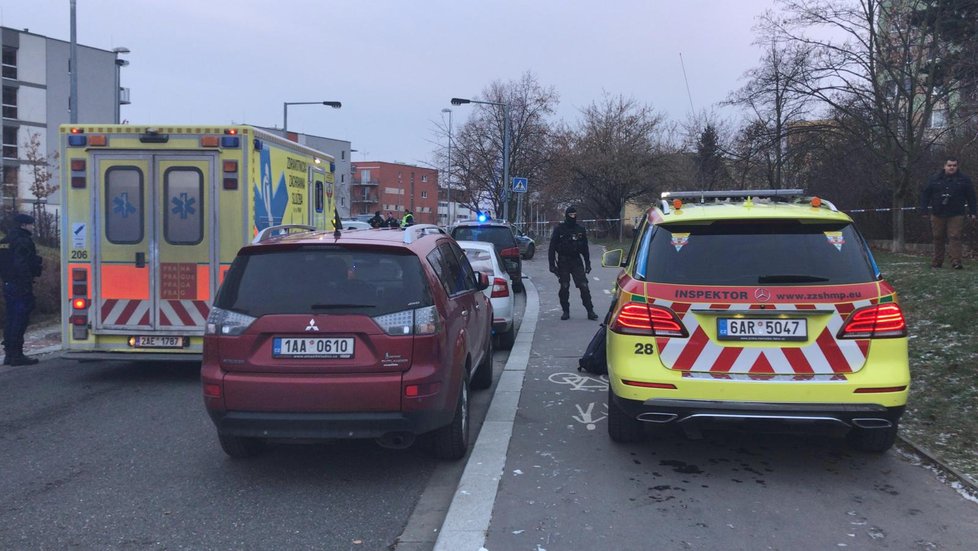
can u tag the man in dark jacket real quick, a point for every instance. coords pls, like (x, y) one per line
(568, 245)
(391, 221)
(22, 267)
(949, 194)
(376, 221)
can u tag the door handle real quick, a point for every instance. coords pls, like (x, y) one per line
(140, 260)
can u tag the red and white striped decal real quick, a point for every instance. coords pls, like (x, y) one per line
(124, 312)
(183, 313)
(827, 355)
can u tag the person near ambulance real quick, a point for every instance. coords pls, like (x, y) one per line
(568, 247)
(376, 221)
(21, 265)
(392, 222)
(408, 219)
(948, 195)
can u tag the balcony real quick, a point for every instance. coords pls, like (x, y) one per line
(363, 199)
(358, 182)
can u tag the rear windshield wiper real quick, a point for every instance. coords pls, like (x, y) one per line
(334, 306)
(790, 278)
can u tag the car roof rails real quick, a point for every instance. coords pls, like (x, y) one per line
(786, 195)
(277, 231)
(417, 231)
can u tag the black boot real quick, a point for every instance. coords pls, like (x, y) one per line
(565, 315)
(20, 360)
(591, 315)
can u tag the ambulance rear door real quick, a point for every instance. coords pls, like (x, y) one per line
(155, 260)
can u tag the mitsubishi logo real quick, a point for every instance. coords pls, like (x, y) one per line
(762, 295)
(312, 326)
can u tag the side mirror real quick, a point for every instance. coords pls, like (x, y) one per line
(483, 281)
(612, 258)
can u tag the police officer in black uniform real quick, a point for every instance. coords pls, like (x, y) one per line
(568, 245)
(377, 221)
(23, 266)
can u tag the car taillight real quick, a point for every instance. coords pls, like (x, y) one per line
(420, 321)
(227, 323)
(875, 322)
(499, 288)
(635, 318)
(512, 251)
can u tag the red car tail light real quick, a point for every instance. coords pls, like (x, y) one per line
(635, 318)
(513, 252)
(875, 322)
(499, 288)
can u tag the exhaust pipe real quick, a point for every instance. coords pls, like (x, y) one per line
(396, 440)
(870, 423)
(657, 417)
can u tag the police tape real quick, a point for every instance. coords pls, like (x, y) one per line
(880, 210)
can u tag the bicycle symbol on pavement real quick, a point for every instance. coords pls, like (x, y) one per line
(579, 382)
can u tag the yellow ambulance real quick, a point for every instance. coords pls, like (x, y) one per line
(152, 218)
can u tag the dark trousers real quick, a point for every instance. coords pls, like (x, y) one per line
(20, 303)
(567, 268)
(951, 228)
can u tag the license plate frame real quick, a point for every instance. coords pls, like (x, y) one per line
(319, 348)
(762, 329)
(158, 341)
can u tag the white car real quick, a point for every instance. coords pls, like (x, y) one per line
(355, 225)
(483, 258)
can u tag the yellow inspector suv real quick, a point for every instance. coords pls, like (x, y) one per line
(754, 308)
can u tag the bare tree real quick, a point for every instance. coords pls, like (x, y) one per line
(42, 166)
(613, 157)
(771, 96)
(477, 156)
(882, 67)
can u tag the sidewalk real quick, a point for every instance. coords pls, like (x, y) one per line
(42, 338)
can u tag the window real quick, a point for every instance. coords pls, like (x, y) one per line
(9, 102)
(10, 175)
(342, 154)
(938, 118)
(424, 177)
(10, 142)
(9, 62)
(424, 194)
(364, 176)
(124, 205)
(183, 223)
(319, 196)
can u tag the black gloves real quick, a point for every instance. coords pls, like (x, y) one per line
(587, 269)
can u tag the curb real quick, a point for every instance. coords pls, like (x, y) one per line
(943, 469)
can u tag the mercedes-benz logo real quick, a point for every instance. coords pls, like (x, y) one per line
(762, 295)
(312, 326)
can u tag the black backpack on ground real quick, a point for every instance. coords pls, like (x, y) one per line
(594, 360)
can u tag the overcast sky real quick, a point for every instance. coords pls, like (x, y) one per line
(396, 63)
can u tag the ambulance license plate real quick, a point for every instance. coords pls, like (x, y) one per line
(312, 347)
(156, 341)
(739, 329)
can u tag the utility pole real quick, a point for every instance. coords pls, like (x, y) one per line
(73, 66)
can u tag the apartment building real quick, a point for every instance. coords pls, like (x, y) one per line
(393, 187)
(36, 90)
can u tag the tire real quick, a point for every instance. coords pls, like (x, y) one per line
(452, 441)
(482, 378)
(530, 251)
(872, 440)
(505, 341)
(240, 447)
(622, 427)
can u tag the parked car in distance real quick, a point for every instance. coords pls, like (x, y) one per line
(502, 236)
(528, 246)
(369, 334)
(754, 309)
(484, 258)
(355, 225)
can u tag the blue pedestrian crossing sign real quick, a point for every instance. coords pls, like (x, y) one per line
(519, 185)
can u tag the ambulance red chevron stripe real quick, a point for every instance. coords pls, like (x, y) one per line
(136, 313)
(698, 353)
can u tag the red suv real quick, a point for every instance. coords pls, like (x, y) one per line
(358, 334)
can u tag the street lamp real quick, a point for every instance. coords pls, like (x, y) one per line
(285, 111)
(506, 183)
(119, 64)
(448, 175)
